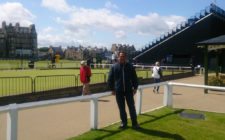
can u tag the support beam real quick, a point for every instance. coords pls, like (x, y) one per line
(168, 95)
(94, 113)
(12, 122)
(139, 101)
(206, 67)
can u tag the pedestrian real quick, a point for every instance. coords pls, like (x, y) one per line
(85, 74)
(113, 58)
(53, 61)
(122, 81)
(157, 75)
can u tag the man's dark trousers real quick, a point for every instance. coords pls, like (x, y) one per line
(120, 98)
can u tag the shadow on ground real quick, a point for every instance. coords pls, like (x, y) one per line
(145, 131)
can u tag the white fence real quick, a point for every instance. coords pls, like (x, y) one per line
(12, 109)
(199, 70)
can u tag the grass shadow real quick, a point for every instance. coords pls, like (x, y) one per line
(149, 132)
(161, 117)
(160, 134)
(145, 131)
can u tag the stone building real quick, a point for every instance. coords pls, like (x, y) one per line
(17, 41)
(73, 53)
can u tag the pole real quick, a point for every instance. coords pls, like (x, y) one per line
(206, 67)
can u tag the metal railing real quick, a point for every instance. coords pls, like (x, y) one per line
(15, 85)
(10, 86)
(12, 109)
(44, 83)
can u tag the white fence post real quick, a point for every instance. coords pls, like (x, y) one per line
(139, 101)
(12, 122)
(94, 113)
(168, 98)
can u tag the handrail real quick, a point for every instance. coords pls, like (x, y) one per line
(197, 86)
(54, 102)
(12, 109)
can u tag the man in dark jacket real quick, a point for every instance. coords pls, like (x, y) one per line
(123, 83)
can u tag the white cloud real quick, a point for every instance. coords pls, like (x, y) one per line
(49, 36)
(120, 34)
(110, 5)
(47, 30)
(106, 20)
(172, 20)
(82, 23)
(15, 12)
(57, 5)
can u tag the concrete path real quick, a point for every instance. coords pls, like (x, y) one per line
(60, 122)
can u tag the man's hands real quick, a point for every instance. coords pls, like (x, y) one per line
(134, 91)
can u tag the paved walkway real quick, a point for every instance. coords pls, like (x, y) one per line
(63, 121)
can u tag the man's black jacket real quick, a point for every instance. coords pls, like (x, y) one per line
(122, 78)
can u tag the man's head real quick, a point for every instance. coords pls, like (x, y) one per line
(157, 63)
(122, 57)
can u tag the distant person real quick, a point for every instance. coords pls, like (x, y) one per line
(114, 58)
(53, 61)
(157, 75)
(85, 75)
(89, 62)
(192, 64)
(123, 82)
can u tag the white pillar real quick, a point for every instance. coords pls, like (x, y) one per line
(139, 101)
(94, 113)
(168, 98)
(12, 122)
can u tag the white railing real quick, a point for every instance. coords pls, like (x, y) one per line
(144, 66)
(12, 109)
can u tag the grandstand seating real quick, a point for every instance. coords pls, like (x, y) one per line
(180, 41)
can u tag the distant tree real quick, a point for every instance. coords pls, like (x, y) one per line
(43, 49)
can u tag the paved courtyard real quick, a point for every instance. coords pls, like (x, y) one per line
(59, 122)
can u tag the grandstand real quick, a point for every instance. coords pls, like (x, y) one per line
(178, 47)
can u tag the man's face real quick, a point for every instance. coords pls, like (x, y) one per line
(122, 57)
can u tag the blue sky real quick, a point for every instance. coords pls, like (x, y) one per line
(100, 22)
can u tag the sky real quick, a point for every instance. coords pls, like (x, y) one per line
(100, 23)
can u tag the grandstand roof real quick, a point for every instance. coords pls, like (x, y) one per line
(220, 40)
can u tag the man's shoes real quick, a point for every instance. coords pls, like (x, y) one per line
(122, 126)
(137, 126)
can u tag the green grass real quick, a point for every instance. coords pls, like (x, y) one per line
(34, 73)
(164, 124)
(18, 64)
